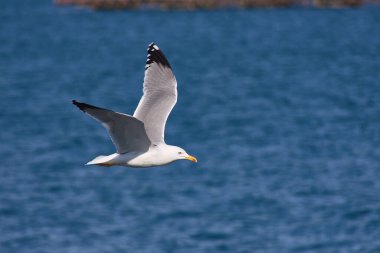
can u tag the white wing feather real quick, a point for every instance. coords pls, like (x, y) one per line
(160, 95)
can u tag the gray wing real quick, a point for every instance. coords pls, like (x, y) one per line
(127, 133)
(160, 94)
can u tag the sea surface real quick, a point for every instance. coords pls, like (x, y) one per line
(280, 106)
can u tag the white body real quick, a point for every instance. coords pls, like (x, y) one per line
(156, 156)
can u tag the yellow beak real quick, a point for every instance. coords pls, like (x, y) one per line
(191, 158)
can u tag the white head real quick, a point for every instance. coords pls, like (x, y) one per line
(176, 153)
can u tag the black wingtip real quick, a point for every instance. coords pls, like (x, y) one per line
(156, 55)
(80, 105)
(83, 106)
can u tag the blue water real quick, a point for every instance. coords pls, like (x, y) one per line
(280, 106)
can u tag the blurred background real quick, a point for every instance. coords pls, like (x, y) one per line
(281, 106)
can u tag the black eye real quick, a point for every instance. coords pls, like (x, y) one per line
(179, 153)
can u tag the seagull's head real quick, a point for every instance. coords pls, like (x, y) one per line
(178, 153)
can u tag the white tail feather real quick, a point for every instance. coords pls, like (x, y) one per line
(98, 160)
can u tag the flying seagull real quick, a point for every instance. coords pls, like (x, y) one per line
(139, 139)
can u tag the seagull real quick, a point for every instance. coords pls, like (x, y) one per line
(139, 139)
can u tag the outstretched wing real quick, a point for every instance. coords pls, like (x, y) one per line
(160, 94)
(127, 133)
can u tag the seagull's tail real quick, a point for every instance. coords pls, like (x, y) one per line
(99, 160)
